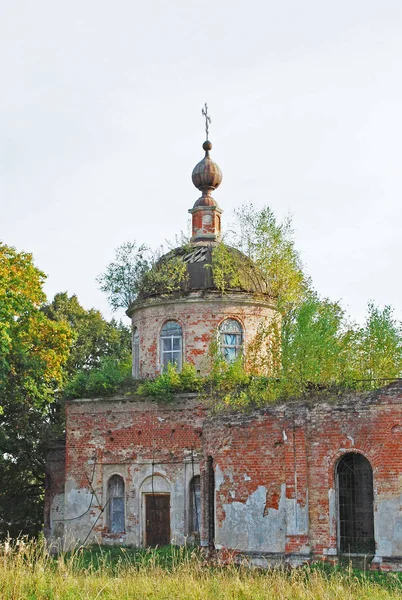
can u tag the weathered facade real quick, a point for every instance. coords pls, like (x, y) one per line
(270, 479)
(313, 478)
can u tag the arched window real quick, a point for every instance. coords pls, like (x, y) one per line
(115, 493)
(195, 505)
(171, 345)
(136, 353)
(355, 504)
(231, 339)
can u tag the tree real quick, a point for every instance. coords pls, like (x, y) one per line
(321, 346)
(94, 338)
(100, 357)
(123, 278)
(380, 344)
(314, 342)
(34, 350)
(266, 258)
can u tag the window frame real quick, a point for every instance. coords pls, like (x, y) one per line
(112, 523)
(172, 351)
(194, 509)
(238, 347)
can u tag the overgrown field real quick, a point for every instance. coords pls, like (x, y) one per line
(28, 572)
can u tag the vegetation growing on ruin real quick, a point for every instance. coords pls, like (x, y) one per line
(27, 571)
(258, 255)
(265, 259)
(137, 271)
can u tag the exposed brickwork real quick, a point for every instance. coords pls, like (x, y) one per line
(199, 315)
(206, 223)
(274, 469)
(297, 446)
(134, 440)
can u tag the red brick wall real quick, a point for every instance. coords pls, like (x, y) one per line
(199, 316)
(297, 445)
(118, 436)
(274, 467)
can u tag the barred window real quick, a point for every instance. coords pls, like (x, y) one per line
(136, 353)
(171, 345)
(115, 492)
(231, 339)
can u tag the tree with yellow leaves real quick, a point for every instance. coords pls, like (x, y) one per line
(33, 352)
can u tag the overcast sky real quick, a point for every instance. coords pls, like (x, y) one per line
(100, 128)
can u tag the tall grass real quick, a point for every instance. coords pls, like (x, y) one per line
(27, 571)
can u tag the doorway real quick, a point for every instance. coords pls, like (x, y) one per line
(157, 519)
(356, 505)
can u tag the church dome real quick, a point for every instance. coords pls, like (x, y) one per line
(206, 176)
(198, 274)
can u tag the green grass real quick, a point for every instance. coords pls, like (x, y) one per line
(28, 572)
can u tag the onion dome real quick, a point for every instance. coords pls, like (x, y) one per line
(206, 176)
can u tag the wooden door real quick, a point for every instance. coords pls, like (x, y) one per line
(157, 515)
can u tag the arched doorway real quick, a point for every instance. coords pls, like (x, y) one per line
(155, 494)
(355, 505)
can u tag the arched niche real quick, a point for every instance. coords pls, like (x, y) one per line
(155, 484)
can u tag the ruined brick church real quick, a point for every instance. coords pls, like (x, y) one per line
(293, 481)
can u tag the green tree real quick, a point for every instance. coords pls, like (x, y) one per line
(380, 345)
(138, 271)
(124, 277)
(272, 263)
(33, 352)
(94, 338)
(314, 341)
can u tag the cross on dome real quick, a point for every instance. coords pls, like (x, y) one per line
(206, 176)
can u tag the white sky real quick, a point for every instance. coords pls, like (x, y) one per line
(100, 128)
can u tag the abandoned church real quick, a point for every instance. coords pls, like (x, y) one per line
(287, 482)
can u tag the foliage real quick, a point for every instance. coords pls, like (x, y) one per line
(44, 348)
(313, 342)
(93, 337)
(107, 378)
(168, 274)
(266, 259)
(316, 348)
(380, 344)
(264, 351)
(34, 350)
(320, 346)
(137, 271)
(123, 278)
(27, 571)
(170, 382)
(226, 267)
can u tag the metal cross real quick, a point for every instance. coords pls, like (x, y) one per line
(205, 114)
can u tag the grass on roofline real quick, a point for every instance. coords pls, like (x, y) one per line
(28, 572)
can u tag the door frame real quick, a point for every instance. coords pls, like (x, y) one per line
(338, 510)
(144, 514)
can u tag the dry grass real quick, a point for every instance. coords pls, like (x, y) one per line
(28, 572)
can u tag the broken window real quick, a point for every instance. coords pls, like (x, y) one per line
(195, 505)
(116, 504)
(136, 353)
(171, 345)
(231, 339)
(355, 504)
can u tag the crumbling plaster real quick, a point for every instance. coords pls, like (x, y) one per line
(199, 314)
(274, 467)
